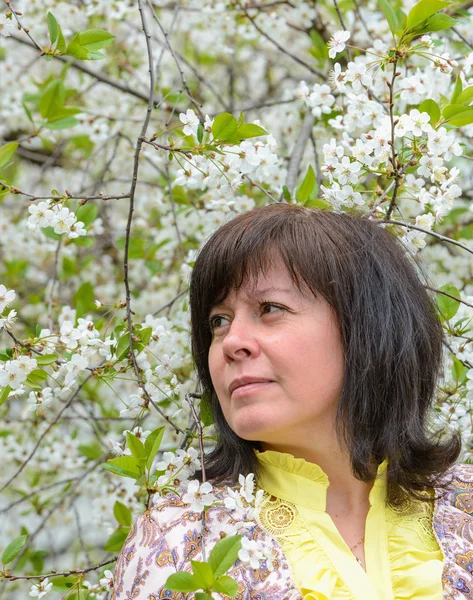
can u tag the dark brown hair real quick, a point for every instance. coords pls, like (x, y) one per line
(391, 335)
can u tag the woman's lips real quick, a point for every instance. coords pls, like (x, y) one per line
(250, 388)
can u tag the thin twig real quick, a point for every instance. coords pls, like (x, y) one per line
(298, 151)
(279, 47)
(432, 233)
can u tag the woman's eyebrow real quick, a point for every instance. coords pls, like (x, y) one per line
(255, 293)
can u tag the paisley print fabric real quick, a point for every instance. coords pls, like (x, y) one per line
(166, 538)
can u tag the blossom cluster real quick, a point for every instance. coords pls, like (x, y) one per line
(76, 378)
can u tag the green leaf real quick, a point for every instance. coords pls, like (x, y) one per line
(85, 296)
(224, 127)
(459, 370)
(206, 415)
(423, 10)
(95, 39)
(126, 466)
(203, 596)
(181, 582)
(145, 335)
(200, 133)
(91, 451)
(457, 90)
(52, 27)
(432, 109)
(250, 130)
(453, 109)
(46, 359)
(307, 186)
(286, 193)
(52, 98)
(466, 96)
(65, 123)
(87, 213)
(7, 151)
(463, 118)
(61, 42)
(224, 554)
(135, 445)
(123, 346)
(448, 307)
(319, 49)
(13, 549)
(226, 585)
(152, 445)
(122, 514)
(116, 540)
(4, 394)
(203, 574)
(390, 15)
(37, 376)
(76, 50)
(439, 22)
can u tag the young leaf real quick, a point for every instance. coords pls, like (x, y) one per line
(463, 118)
(61, 42)
(6, 152)
(52, 98)
(203, 574)
(181, 582)
(13, 549)
(249, 130)
(122, 514)
(390, 15)
(46, 359)
(439, 22)
(123, 346)
(116, 540)
(94, 39)
(52, 27)
(453, 109)
(206, 415)
(4, 394)
(135, 445)
(126, 466)
(307, 186)
(466, 96)
(152, 446)
(286, 193)
(457, 90)
(200, 133)
(459, 370)
(226, 585)
(432, 109)
(423, 10)
(448, 306)
(87, 213)
(224, 127)
(224, 554)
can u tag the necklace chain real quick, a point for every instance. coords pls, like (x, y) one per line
(356, 545)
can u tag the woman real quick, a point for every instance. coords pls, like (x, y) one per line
(320, 350)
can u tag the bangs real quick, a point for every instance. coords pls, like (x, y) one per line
(245, 248)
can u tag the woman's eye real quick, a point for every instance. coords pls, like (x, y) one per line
(268, 308)
(217, 321)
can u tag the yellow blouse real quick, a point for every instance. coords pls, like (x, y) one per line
(403, 558)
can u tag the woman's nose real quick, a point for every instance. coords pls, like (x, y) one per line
(240, 341)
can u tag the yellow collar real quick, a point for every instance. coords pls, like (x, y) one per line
(304, 483)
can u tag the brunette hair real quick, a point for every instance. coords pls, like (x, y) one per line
(390, 330)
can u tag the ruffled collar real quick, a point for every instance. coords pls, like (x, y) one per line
(304, 483)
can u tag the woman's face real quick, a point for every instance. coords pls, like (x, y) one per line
(276, 360)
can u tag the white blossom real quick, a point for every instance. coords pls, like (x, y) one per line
(198, 495)
(337, 42)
